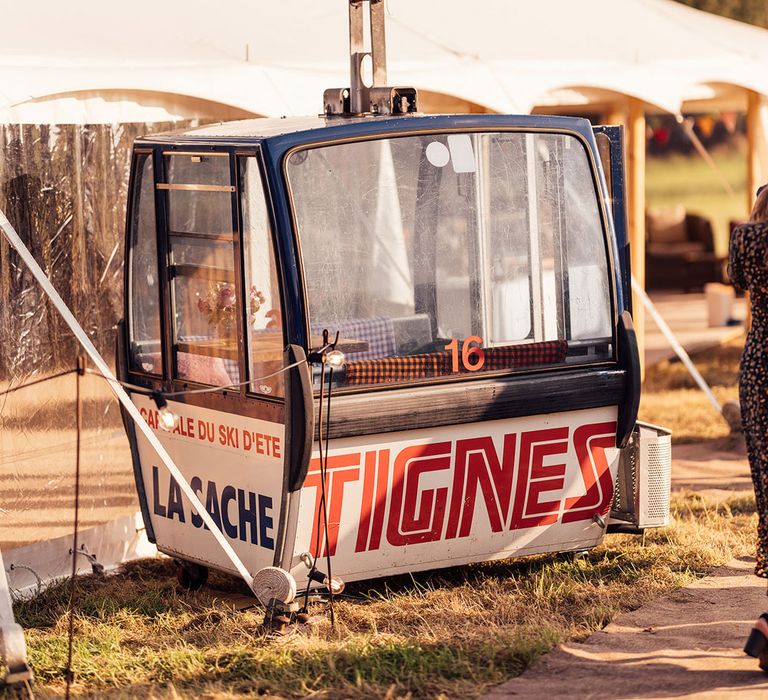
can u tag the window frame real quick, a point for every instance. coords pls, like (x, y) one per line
(132, 202)
(240, 155)
(162, 190)
(464, 377)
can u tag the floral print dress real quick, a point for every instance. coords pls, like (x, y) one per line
(748, 270)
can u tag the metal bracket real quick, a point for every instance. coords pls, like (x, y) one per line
(13, 648)
(96, 566)
(360, 98)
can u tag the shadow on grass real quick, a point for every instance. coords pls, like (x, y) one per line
(360, 669)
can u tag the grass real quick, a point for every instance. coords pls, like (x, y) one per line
(671, 398)
(689, 181)
(453, 633)
(447, 634)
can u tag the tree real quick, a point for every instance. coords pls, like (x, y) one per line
(751, 11)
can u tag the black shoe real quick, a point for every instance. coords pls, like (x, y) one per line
(757, 642)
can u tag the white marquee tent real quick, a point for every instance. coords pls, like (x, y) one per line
(95, 61)
(104, 62)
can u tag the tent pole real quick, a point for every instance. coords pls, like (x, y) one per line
(636, 212)
(754, 174)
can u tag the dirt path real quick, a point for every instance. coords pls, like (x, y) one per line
(713, 465)
(687, 645)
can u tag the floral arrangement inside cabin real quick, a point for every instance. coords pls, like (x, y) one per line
(219, 305)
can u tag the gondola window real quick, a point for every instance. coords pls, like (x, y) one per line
(262, 294)
(440, 256)
(205, 302)
(144, 317)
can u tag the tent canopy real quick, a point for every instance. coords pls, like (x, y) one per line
(101, 62)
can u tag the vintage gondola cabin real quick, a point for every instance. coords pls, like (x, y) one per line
(442, 300)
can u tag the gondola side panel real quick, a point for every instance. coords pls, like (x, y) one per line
(452, 495)
(235, 466)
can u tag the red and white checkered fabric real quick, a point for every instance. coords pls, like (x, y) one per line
(408, 368)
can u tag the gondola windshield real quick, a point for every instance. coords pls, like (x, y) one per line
(446, 255)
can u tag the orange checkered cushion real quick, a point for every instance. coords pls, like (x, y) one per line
(410, 368)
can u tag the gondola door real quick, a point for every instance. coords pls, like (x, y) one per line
(222, 352)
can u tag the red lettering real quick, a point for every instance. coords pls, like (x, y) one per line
(590, 443)
(206, 430)
(477, 464)
(150, 416)
(374, 502)
(534, 478)
(338, 473)
(417, 516)
(366, 504)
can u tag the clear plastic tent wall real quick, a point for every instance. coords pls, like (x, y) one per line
(64, 190)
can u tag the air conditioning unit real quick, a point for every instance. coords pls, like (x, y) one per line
(644, 480)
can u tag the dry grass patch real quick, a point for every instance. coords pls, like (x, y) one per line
(452, 633)
(671, 398)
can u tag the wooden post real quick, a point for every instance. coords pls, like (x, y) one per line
(754, 174)
(636, 211)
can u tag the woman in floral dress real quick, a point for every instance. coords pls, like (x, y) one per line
(748, 270)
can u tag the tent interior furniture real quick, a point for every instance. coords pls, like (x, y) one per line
(677, 240)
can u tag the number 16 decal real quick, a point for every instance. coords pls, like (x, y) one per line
(472, 356)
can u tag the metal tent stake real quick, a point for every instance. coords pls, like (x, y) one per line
(122, 396)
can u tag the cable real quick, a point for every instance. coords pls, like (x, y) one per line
(323, 473)
(72, 586)
(701, 149)
(235, 386)
(26, 385)
(321, 503)
(325, 514)
(207, 390)
(322, 508)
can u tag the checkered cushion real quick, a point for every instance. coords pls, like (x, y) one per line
(378, 332)
(438, 364)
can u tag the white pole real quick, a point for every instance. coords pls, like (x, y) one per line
(673, 341)
(120, 393)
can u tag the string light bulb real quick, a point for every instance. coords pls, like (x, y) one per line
(335, 358)
(334, 584)
(169, 420)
